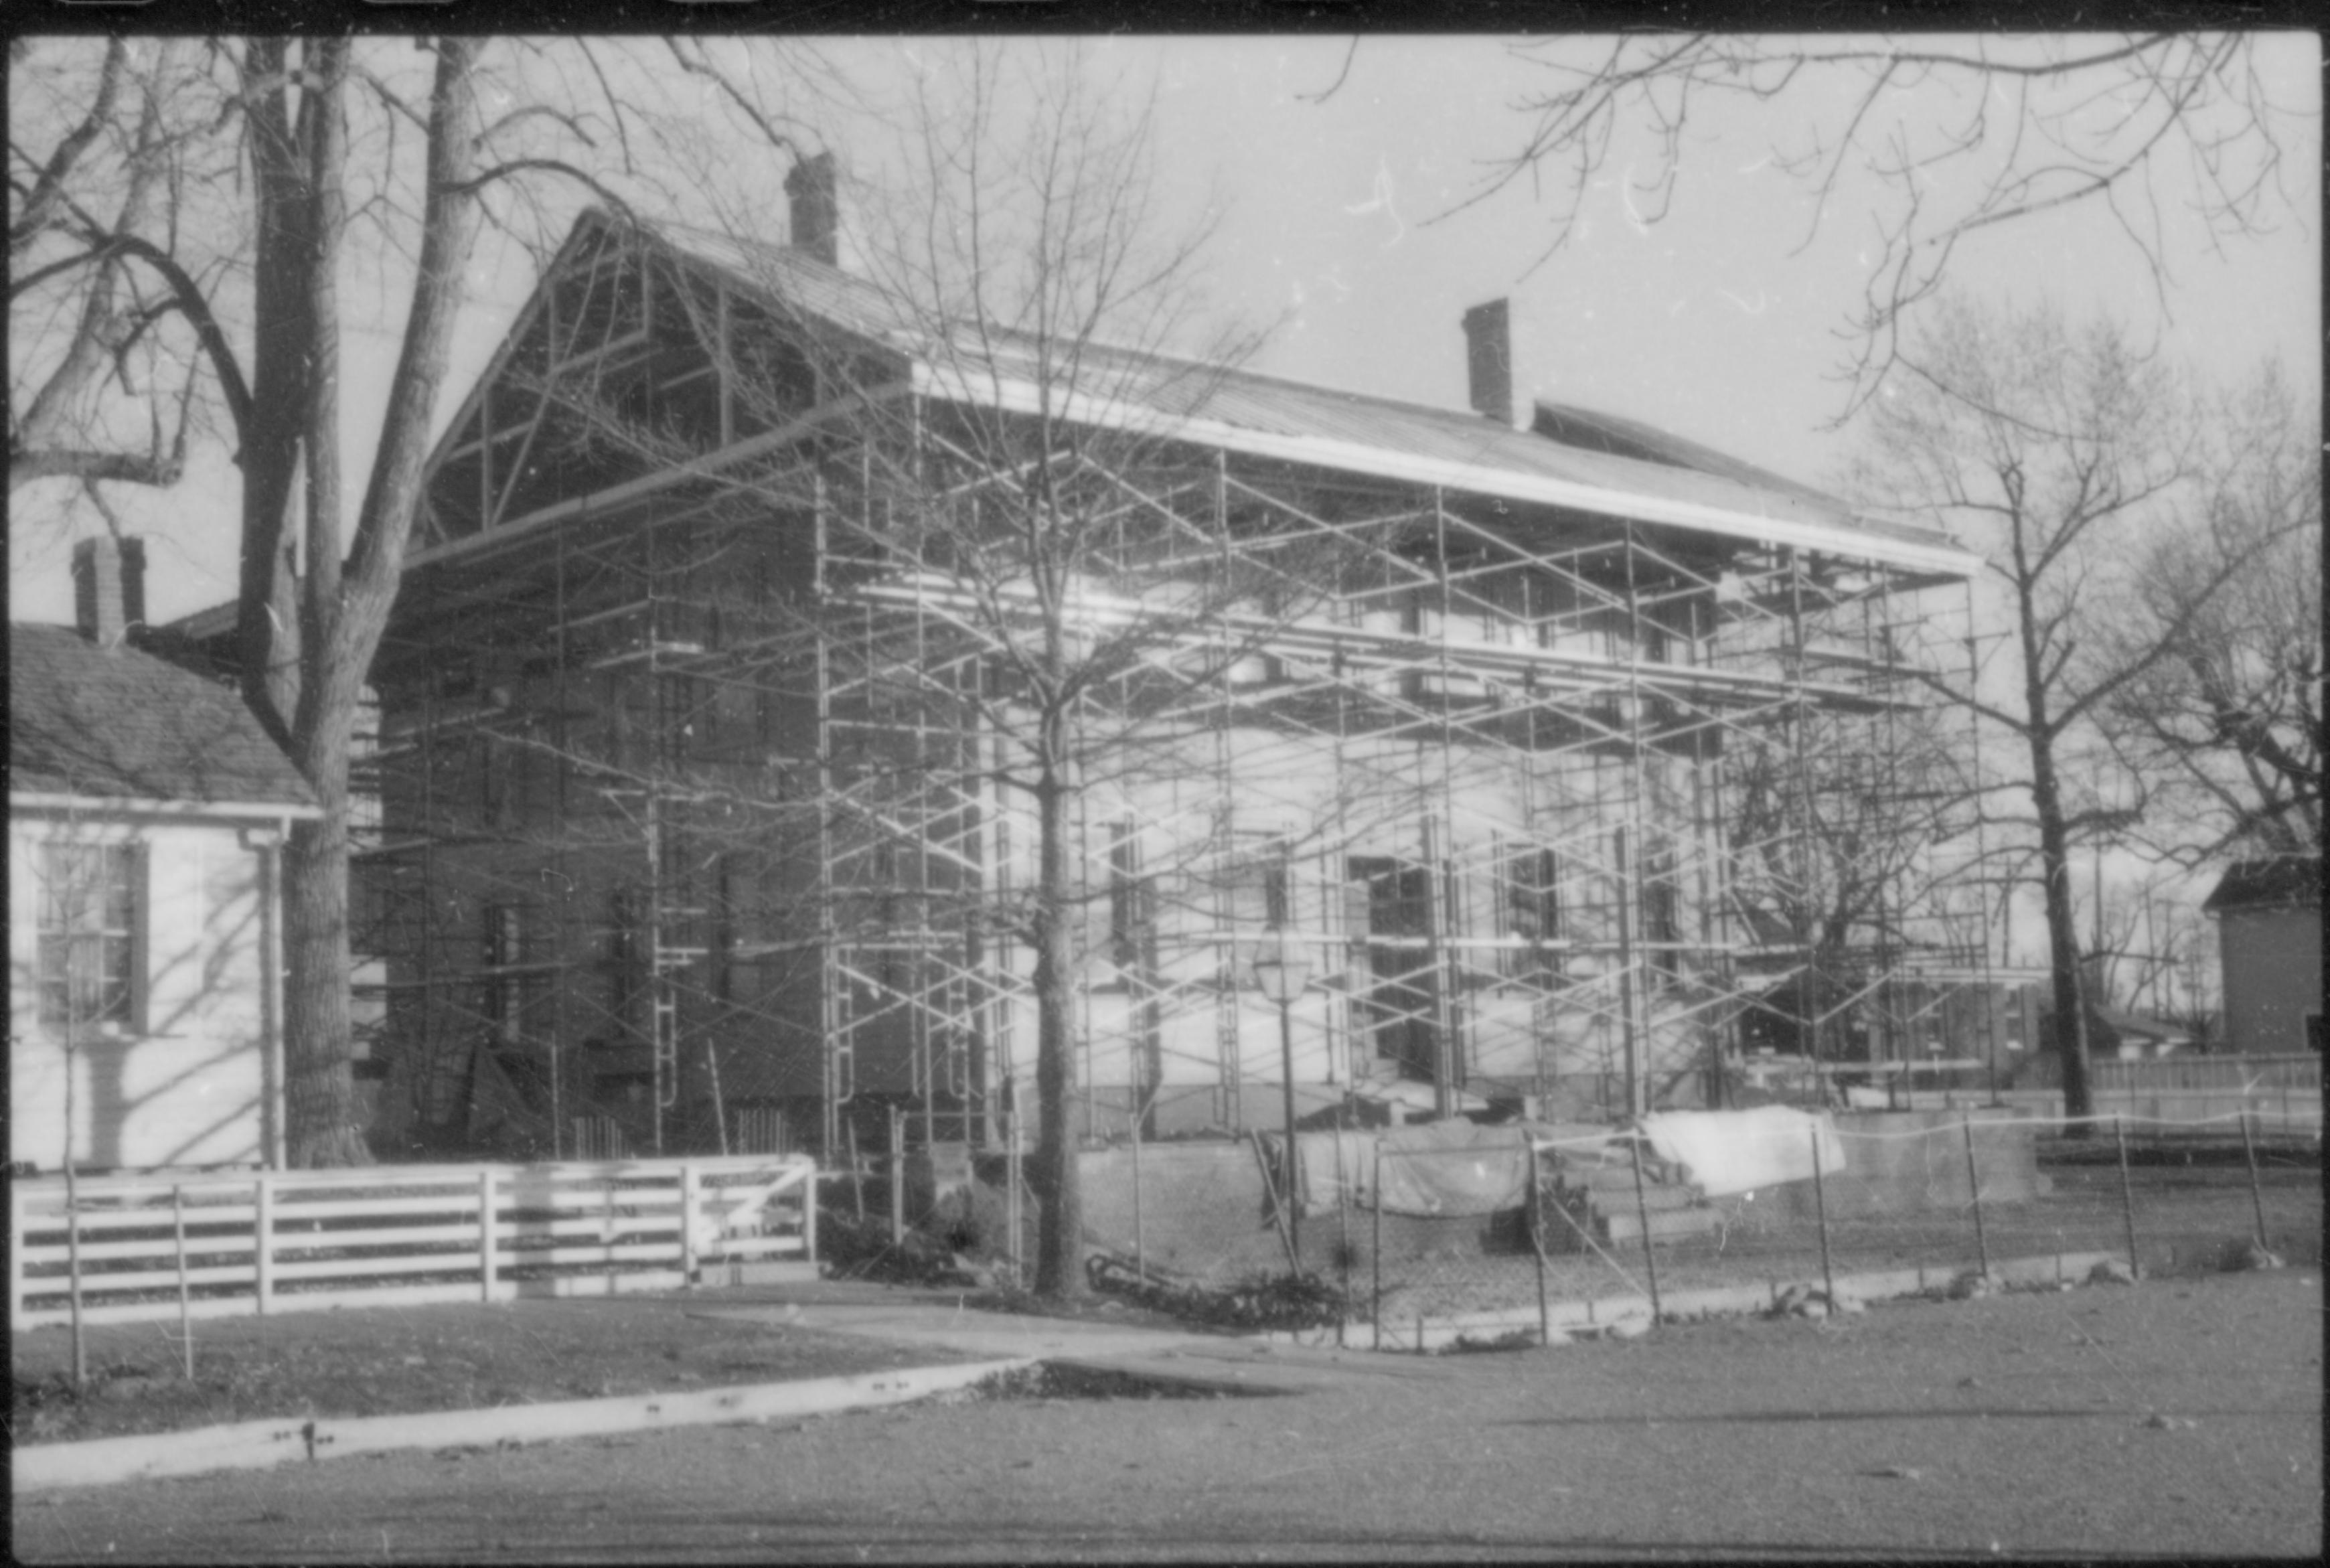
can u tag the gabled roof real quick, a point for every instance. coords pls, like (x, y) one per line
(1569, 458)
(117, 724)
(2283, 882)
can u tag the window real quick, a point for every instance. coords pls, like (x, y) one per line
(456, 678)
(1661, 893)
(627, 963)
(510, 991)
(1131, 902)
(91, 896)
(1532, 907)
(1257, 898)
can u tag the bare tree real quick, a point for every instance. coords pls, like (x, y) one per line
(321, 142)
(103, 383)
(1030, 589)
(2151, 953)
(2228, 729)
(2051, 447)
(1836, 855)
(2004, 128)
(1068, 560)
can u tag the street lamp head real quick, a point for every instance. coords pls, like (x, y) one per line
(1281, 968)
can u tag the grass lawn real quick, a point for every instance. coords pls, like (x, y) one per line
(393, 1360)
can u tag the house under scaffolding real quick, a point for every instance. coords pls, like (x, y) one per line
(1576, 761)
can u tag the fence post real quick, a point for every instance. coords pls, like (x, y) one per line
(262, 1236)
(1375, 1254)
(897, 1179)
(687, 1205)
(185, 1303)
(1819, 1205)
(857, 1171)
(1343, 1237)
(1533, 1215)
(1139, 1239)
(1974, 1185)
(72, 1272)
(1011, 1222)
(809, 1214)
(607, 1233)
(2126, 1191)
(1642, 1216)
(2257, 1197)
(16, 1254)
(488, 1264)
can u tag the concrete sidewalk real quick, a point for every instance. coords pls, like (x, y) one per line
(933, 1322)
(938, 1323)
(1220, 1362)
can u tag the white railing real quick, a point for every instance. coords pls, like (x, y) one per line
(213, 1245)
(2271, 1112)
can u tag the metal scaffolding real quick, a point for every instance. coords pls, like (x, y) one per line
(701, 804)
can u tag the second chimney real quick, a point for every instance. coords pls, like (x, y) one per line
(1489, 359)
(108, 588)
(814, 190)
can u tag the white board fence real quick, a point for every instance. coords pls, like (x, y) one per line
(219, 1245)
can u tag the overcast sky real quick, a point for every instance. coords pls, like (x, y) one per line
(1719, 323)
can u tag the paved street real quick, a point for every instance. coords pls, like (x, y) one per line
(2180, 1418)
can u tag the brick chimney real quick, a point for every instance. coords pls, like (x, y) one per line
(814, 190)
(108, 588)
(1489, 359)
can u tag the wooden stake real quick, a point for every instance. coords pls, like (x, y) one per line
(1375, 1252)
(898, 1178)
(1643, 1214)
(1534, 1218)
(2126, 1191)
(1820, 1202)
(1277, 1206)
(1139, 1239)
(857, 1171)
(1974, 1185)
(2257, 1197)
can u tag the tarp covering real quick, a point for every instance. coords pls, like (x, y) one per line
(1738, 1151)
(1442, 1169)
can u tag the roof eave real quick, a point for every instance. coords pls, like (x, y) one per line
(151, 806)
(1022, 397)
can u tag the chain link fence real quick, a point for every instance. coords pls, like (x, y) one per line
(1495, 1228)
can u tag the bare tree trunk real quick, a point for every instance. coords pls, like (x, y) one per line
(2062, 935)
(1059, 1249)
(267, 614)
(345, 612)
(2041, 728)
(319, 1090)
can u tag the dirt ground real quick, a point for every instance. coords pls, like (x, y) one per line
(2180, 1418)
(391, 1360)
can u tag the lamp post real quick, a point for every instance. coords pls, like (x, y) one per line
(1282, 971)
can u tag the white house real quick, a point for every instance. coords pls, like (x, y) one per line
(146, 812)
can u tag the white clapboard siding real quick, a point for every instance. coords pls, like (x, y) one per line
(295, 1239)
